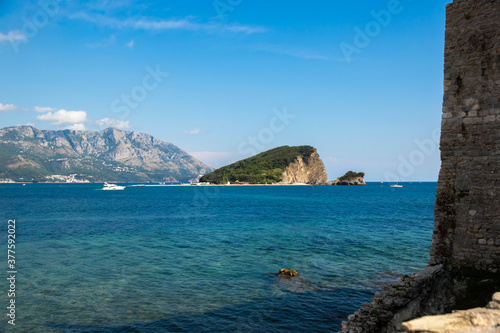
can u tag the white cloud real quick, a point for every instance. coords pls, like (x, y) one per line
(195, 131)
(108, 5)
(217, 159)
(64, 117)
(42, 109)
(109, 122)
(146, 24)
(170, 24)
(244, 28)
(131, 43)
(7, 107)
(76, 127)
(12, 36)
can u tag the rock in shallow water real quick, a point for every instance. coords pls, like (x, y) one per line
(288, 272)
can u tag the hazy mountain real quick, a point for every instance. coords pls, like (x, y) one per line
(27, 153)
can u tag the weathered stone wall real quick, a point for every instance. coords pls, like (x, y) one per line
(467, 210)
(465, 252)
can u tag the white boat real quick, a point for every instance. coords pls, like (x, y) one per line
(397, 184)
(115, 187)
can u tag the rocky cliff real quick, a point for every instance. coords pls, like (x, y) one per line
(311, 171)
(109, 155)
(282, 165)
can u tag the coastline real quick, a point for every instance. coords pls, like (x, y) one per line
(187, 184)
(202, 185)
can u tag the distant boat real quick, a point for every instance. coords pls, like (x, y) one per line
(397, 183)
(109, 187)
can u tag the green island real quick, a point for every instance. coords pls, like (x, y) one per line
(263, 168)
(350, 178)
(351, 175)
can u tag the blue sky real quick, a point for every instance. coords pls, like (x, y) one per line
(359, 80)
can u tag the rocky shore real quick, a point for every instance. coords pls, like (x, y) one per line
(480, 320)
(423, 293)
(433, 291)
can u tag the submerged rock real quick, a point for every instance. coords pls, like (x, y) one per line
(288, 272)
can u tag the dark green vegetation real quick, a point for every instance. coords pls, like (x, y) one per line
(29, 154)
(264, 168)
(350, 175)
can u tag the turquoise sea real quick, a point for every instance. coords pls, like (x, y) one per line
(204, 259)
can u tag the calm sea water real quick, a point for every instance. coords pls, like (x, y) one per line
(204, 259)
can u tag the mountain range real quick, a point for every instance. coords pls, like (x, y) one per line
(29, 154)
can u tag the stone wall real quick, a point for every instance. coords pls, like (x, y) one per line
(467, 224)
(465, 252)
